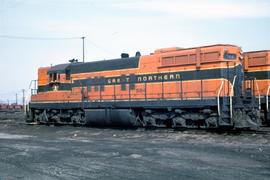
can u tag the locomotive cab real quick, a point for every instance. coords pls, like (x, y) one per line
(54, 80)
(58, 75)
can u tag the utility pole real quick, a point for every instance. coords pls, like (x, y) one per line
(16, 98)
(23, 100)
(83, 47)
(35, 86)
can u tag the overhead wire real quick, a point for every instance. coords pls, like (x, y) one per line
(54, 38)
(37, 38)
(99, 47)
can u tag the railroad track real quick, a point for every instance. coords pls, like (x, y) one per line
(262, 130)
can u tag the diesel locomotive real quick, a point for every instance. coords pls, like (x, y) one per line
(199, 87)
(257, 67)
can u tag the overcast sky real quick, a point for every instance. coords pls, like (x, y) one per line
(115, 26)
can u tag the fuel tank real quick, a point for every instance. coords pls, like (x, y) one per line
(110, 117)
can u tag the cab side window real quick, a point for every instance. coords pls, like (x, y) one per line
(51, 77)
(54, 76)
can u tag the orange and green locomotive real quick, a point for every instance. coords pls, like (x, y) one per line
(172, 87)
(257, 67)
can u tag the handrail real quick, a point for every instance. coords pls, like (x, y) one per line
(231, 94)
(259, 93)
(174, 95)
(267, 94)
(33, 90)
(219, 91)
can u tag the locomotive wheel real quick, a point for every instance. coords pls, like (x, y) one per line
(211, 122)
(41, 117)
(78, 119)
(178, 122)
(139, 121)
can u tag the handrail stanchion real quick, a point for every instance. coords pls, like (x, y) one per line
(114, 96)
(267, 94)
(201, 89)
(145, 96)
(231, 94)
(257, 87)
(181, 81)
(219, 91)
